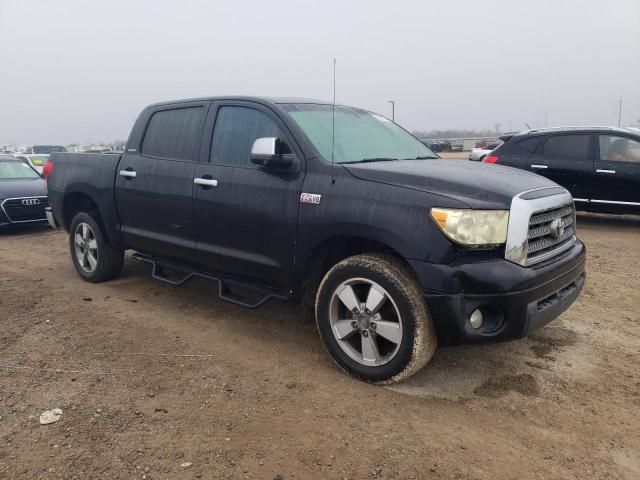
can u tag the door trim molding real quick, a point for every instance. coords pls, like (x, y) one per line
(615, 202)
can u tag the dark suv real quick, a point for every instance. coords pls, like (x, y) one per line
(600, 166)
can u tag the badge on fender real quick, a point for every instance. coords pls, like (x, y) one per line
(312, 198)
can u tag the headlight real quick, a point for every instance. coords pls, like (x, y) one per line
(473, 228)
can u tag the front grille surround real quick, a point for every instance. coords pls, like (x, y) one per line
(540, 227)
(16, 212)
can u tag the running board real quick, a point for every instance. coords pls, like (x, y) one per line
(177, 275)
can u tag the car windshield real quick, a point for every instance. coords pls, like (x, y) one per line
(360, 136)
(12, 170)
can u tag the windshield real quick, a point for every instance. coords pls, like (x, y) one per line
(359, 135)
(12, 170)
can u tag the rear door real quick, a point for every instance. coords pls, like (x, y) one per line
(617, 173)
(566, 159)
(154, 185)
(246, 224)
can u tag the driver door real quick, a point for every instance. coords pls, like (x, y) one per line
(245, 215)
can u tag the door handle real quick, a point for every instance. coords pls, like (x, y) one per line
(206, 182)
(610, 172)
(128, 173)
(538, 166)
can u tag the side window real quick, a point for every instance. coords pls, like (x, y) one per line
(571, 146)
(620, 149)
(172, 133)
(529, 144)
(234, 133)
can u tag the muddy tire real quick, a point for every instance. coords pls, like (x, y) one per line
(372, 318)
(95, 259)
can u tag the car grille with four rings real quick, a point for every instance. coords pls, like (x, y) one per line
(551, 232)
(28, 209)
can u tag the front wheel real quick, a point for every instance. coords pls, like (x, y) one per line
(95, 259)
(373, 320)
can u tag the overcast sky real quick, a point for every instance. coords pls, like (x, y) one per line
(80, 71)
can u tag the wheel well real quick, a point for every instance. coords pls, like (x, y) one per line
(332, 251)
(78, 202)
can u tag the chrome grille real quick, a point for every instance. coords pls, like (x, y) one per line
(17, 212)
(551, 232)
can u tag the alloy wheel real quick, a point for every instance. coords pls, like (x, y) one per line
(86, 247)
(365, 322)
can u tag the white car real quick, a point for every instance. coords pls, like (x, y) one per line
(37, 161)
(477, 154)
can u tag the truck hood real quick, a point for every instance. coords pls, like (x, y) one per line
(479, 185)
(35, 187)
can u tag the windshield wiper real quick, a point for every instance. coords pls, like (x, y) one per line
(428, 157)
(375, 159)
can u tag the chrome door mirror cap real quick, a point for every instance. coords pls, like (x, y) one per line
(267, 152)
(266, 146)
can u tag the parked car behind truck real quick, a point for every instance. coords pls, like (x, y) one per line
(393, 250)
(23, 193)
(600, 166)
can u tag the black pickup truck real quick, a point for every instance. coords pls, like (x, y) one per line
(393, 250)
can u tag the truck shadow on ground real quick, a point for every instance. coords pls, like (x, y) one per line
(525, 366)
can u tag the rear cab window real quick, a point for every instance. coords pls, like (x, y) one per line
(172, 133)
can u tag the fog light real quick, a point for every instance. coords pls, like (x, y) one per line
(475, 319)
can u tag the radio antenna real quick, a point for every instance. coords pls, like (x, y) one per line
(333, 120)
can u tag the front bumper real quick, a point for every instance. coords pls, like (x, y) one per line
(514, 299)
(50, 218)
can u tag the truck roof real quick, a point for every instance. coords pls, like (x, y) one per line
(259, 99)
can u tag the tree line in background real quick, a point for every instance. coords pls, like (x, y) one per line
(485, 132)
(457, 133)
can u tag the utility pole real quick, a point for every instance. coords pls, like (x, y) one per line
(619, 111)
(393, 110)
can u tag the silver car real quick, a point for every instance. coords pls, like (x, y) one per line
(477, 154)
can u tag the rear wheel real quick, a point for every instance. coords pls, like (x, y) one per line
(95, 259)
(372, 318)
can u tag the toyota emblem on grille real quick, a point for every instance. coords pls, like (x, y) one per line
(31, 201)
(556, 228)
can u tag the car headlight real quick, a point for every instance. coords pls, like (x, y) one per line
(473, 228)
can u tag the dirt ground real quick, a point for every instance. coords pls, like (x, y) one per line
(152, 377)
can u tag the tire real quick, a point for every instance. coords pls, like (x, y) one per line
(396, 298)
(95, 259)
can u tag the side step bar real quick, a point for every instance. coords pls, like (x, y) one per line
(178, 275)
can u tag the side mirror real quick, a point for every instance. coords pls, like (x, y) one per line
(268, 152)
